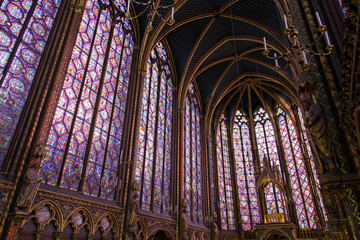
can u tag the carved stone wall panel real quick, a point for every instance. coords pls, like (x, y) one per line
(153, 224)
(194, 233)
(79, 214)
(5, 189)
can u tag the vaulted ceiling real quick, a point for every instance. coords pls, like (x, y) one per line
(218, 45)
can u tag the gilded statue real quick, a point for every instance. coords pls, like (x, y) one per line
(31, 181)
(134, 205)
(314, 121)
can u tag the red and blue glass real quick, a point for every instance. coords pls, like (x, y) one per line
(273, 199)
(75, 149)
(266, 143)
(265, 138)
(24, 29)
(343, 9)
(226, 200)
(249, 208)
(296, 168)
(310, 156)
(154, 154)
(192, 170)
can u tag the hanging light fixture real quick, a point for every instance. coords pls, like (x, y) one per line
(297, 48)
(152, 7)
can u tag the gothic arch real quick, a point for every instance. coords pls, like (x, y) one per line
(78, 222)
(142, 229)
(168, 235)
(270, 232)
(107, 222)
(161, 227)
(44, 212)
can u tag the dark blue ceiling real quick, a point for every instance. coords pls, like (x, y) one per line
(225, 19)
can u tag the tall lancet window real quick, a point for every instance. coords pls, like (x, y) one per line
(265, 138)
(192, 147)
(310, 156)
(83, 146)
(266, 143)
(154, 154)
(24, 30)
(297, 173)
(249, 208)
(226, 200)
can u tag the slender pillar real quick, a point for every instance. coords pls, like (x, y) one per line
(44, 105)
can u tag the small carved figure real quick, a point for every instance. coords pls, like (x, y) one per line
(214, 225)
(31, 181)
(315, 122)
(134, 205)
(183, 217)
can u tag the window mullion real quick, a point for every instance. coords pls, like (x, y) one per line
(112, 115)
(146, 132)
(160, 70)
(66, 151)
(224, 174)
(18, 41)
(164, 146)
(246, 179)
(96, 108)
(273, 185)
(297, 171)
(191, 162)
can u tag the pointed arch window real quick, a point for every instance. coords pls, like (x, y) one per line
(265, 138)
(297, 173)
(309, 155)
(192, 169)
(245, 173)
(266, 143)
(154, 154)
(24, 30)
(83, 145)
(273, 199)
(226, 200)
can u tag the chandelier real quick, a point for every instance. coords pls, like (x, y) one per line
(152, 7)
(297, 50)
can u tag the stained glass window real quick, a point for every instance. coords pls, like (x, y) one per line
(25, 26)
(265, 138)
(211, 174)
(192, 147)
(249, 208)
(273, 199)
(154, 154)
(310, 156)
(226, 200)
(266, 143)
(83, 146)
(343, 9)
(296, 168)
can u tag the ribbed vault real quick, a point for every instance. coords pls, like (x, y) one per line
(217, 45)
